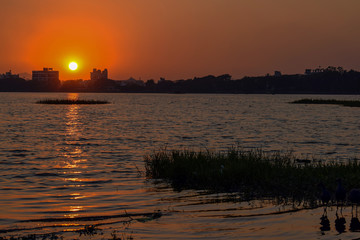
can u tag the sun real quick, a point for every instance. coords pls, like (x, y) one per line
(73, 66)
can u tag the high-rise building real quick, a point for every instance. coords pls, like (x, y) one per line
(46, 75)
(97, 74)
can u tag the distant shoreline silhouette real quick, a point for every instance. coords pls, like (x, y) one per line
(329, 80)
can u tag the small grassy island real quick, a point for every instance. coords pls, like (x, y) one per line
(253, 174)
(71, 101)
(347, 103)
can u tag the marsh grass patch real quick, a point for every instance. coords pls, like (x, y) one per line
(71, 101)
(347, 103)
(254, 174)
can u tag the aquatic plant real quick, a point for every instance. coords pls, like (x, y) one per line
(347, 103)
(71, 101)
(50, 236)
(88, 230)
(254, 174)
(123, 237)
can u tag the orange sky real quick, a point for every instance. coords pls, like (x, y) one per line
(178, 38)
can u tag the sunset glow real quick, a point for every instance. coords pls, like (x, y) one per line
(178, 39)
(179, 119)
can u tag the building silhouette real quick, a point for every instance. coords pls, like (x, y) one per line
(47, 75)
(9, 75)
(11, 82)
(277, 74)
(45, 80)
(97, 74)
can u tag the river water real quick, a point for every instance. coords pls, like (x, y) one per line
(66, 166)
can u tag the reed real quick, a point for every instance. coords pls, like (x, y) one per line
(347, 103)
(253, 173)
(71, 101)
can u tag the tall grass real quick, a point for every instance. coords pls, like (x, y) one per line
(71, 101)
(255, 173)
(347, 103)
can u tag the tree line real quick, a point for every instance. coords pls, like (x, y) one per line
(330, 80)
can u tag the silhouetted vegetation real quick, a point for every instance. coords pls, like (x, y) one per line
(254, 174)
(347, 103)
(88, 230)
(328, 80)
(71, 101)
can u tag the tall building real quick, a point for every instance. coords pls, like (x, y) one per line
(97, 74)
(47, 75)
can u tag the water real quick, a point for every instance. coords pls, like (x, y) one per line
(72, 161)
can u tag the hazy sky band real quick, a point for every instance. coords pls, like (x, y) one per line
(178, 39)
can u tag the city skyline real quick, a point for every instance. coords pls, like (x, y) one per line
(179, 119)
(179, 39)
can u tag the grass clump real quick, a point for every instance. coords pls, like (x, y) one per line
(255, 173)
(71, 101)
(347, 103)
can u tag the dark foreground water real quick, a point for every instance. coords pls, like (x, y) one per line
(66, 166)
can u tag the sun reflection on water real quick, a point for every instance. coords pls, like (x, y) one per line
(73, 96)
(73, 209)
(74, 159)
(77, 196)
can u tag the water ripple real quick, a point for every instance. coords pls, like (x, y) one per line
(65, 163)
